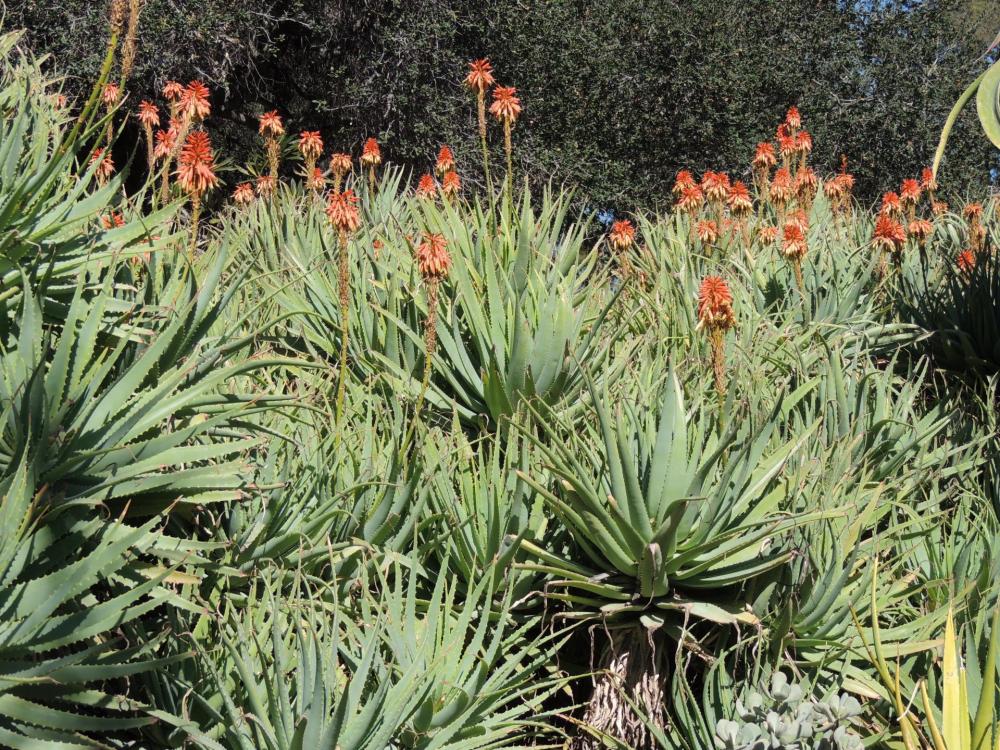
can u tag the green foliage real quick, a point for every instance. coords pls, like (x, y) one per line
(785, 717)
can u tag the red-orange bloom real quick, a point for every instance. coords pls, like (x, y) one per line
(793, 118)
(891, 204)
(112, 220)
(715, 304)
(973, 211)
(316, 180)
(445, 161)
(426, 187)
(371, 153)
(196, 165)
(806, 183)
(889, 235)
(166, 142)
(451, 184)
(264, 185)
(480, 75)
(788, 145)
(105, 164)
(715, 185)
(506, 106)
(707, 231)
(927, 179)
(804, 143)
(149, 114)
(433, 260)
(342, 210)
(966, 261)
(781, 188)
(173, 91)
(921, 230)
(682, 182)
(111, 94)
(764, 157)
(340, 164)
(691, 199)
(768, 234)
(740, 202)
(793, 241)
(909, 192)
(310, 144)
(271, 125)
(243, 194)
(194, 101)
(622, 235)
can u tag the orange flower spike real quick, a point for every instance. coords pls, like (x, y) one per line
(451, 185)
(921, 230)
(506, 106)
(149, 114)
(173, 92)
(793, 118)
(271, 125)
(804, 143)
(764, 157)
(793, 241)
(691, 200)
(707, 231)
(715, 185)
(889, 235)
(264, 185)
(445, 162)
(891, 204)
(781, 189)
(715, 305)
(196, 166)
(105, 165)
(111, 94)
(740, 202)
(310, 144)
(433, 260)
(622, 235)
(371, 153)
(973, 211)
(909, 192)
(684, 181)
(768, 235)
(316, 180)
(927, 180)
(426, 187)
(480, 76)
(243, 194)
(166, 142)
(966, 261)
(194, 103)
(342, 211)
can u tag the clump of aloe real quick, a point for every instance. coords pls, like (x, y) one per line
(787, 718)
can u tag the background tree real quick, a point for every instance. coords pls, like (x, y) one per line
(618, 94)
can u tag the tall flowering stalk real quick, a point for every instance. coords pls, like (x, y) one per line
(973, 213)
(426, 187)
(715, 316)
(196, 176)
(340, 166)
(889, 239)
(621, 239)
(371, 157)
(764, 161)
(190, 106)
(506, 107)
(105, 166)
(794, 248)
(110, 96)
(149, 118)
(272, 128)
(451, 185)
(342, 211)
(433, 263)
(479, 80)
(311, 147)
(131, 39)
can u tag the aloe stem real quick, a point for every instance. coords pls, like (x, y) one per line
(344, 327)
